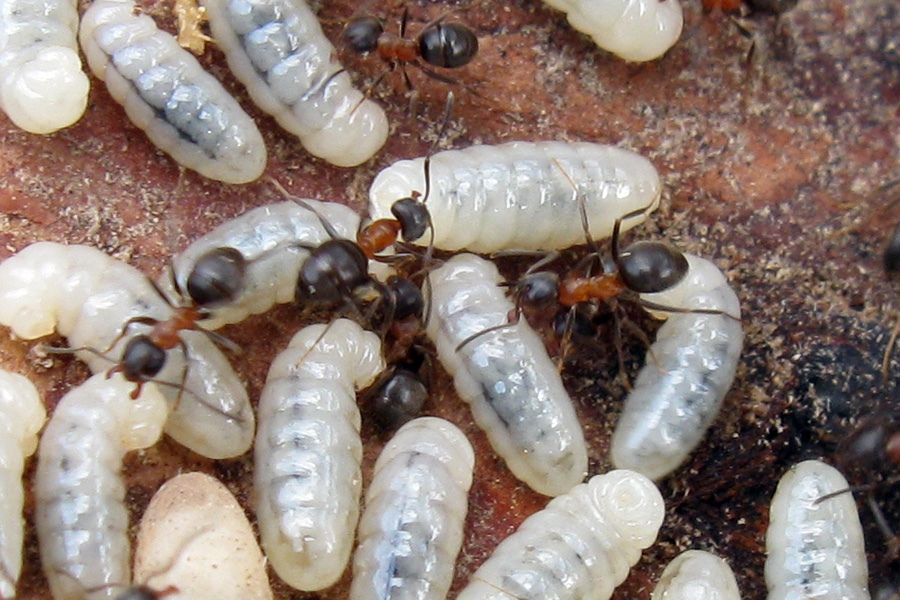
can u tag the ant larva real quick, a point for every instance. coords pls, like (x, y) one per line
(87, 296)
(438, 44)
(503, 372)
(696, 575)
(580, 546)
(814, 548)
(23, 414)
(308, 451)
(411, 529)
(182, 108)
(521, 195)
(80, 514)
(636, 30)
(277, 49)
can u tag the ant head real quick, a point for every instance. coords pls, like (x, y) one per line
(538, 290)
(650, 267)
(892, 252)
(142, 359)
(217, 276)
(407, 297)
(398, 400)
(448, 45)
(413, 217)
(361, 34)
(332, 270)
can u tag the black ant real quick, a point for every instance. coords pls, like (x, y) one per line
(438, 44)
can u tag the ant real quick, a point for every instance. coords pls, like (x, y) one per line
(217, 277)
(438, 44)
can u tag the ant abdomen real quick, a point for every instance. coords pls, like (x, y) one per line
(218, 276)
(332, 271)
(651, 267)
(448, 45)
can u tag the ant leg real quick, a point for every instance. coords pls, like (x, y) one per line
(647, 304)
(888, 351)
(133, 320)
(329, 228)
(493, 328)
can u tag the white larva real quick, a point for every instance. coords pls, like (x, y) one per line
(22, 415)
(183, 109)
(80, 514)
(42, 85)
(580, 547)
(696, 575)
(87, 296)
(278, 50)
(689, 370)
(308, 451)
(411, 529)
(815, 550)
(269, 239)
(514, 389)
(522, 195)
(636, 30)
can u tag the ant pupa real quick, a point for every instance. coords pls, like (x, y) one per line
(411, 530)
(308, 451)
(23, 414)
(521, 195)
(581, 545)
(277, 49)
(813, 548)
(194, 536)
(80, 514)
(88, 297)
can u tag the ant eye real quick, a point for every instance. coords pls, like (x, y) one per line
(408, 299)
(650, 267)
(413, 217)
(142, 359)
(217, 276)
(361, 35)
(448, 45)
(538, 290)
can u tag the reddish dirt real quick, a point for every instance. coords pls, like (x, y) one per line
(774, 168)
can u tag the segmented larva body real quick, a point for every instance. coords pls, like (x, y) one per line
(815, 550)
(42, 85)
(308, 451)
(636, 30)
(278, 50)
(411, 530)
(516, 393)
(80, 515)
(183, 109)
(522, 195)
(578, 548)
(269, 239)
(22, 415)
(690, 368)
(87, 296)
(696, 575)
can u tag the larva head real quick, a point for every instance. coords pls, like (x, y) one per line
(413, 217)
(398, 400)
(218, 276)
(361, 34)
(632, 503)
(448, 45)
(651, 267)
(142, 359)
(332, 271)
